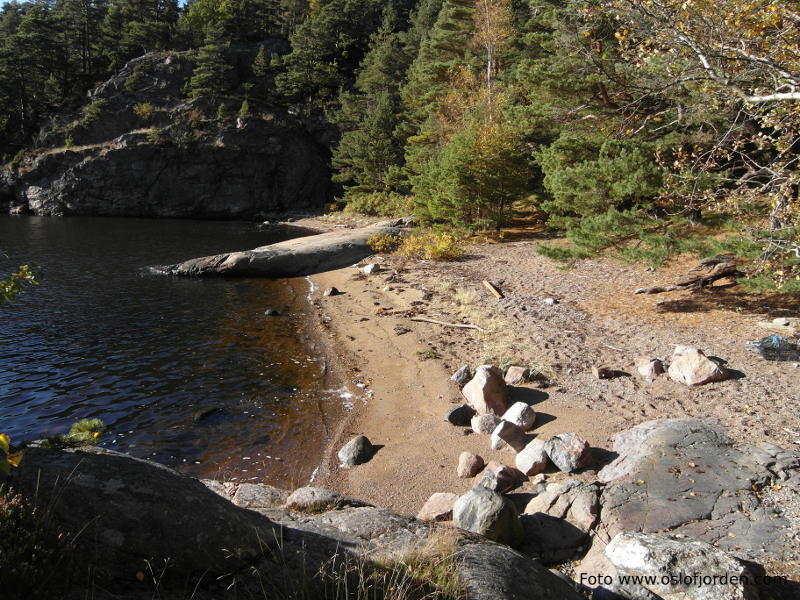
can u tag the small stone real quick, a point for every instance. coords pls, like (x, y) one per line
(521, 415)
(357, 451)
(782, 321)
(569, 452)
(649, 368)
(488, 513)
(439, 507)
(510, 434)
(550, 301)
(484, 423)
(257, 495)
(602, 372)
(313, 499)
(331, 291)
(517, 375)
(460, 416)
(271, 312)
(690, 366)
(532, 459)
(501, 478)
(462, 376)
(371, 268)
(487, 392)
(469, 465)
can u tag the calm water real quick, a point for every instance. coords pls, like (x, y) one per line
(101, 337)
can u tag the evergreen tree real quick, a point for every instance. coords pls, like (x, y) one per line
(210, 75)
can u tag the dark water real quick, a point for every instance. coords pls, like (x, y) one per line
(102, 337)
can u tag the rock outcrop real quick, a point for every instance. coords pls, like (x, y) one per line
(292, 258)
(140, 149)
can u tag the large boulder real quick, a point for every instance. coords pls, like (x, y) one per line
(690, 366)
(506, 433)
(677, 569)
(501, 478)
(487, 392)
(130, 512)
(490, 514)
(484, 423)
(469, 465)
(439, 507)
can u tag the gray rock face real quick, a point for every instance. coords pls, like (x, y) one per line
(673, 565)
(357, 451)
(314, 499)
(569, 452)
(493, 572)
(684, 476)
(300, 256)
(128, 510)
(460, 416)
(462, 376)
(490, 514)
(532, 459)
(558, 521)
(692, 367)
(118, 169)
(486, 392)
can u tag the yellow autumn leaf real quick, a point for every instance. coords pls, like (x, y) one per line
(14, 459)
(5, 442)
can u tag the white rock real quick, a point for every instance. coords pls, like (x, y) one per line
(521, 415)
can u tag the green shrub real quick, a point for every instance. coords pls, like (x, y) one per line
(384, 204)
(85, 432)
(136, 79)
(68, 142)
(244, 110)
(144, 111)
(432, 246)
(222, 112)
(93, 110)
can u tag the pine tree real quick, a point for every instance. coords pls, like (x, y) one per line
(210, 75)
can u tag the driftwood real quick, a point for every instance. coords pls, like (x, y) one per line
(493, 289)
(445, 324)
(720, 270)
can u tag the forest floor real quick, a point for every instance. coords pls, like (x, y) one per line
(399, 369)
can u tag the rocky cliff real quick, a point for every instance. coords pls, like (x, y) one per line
(139, 148)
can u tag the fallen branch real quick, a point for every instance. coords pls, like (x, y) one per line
(493, 289)
(720, 271)
(445, 324)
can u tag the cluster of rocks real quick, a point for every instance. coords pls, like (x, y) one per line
(688, 365)
(488, 410)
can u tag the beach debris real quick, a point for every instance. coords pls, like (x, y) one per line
(648, 367)
(271, 312)
(690, 366)
(500, 478)
(532, 459)
(357, 451)
(439, 507)
(603, 372)
(460, 415)
(490, 514)
(487, 392)
(521, 415)
(569, 452)
(484, 423)
(331, 291)
(469, 465)
(462, 376)
(370, 268)
(776, 347)
(517, 375)
(492, 289)
(780, 325)
(720, 267)
(446, 324)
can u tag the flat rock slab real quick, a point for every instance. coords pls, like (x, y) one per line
(685, 477)
(292, 258)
